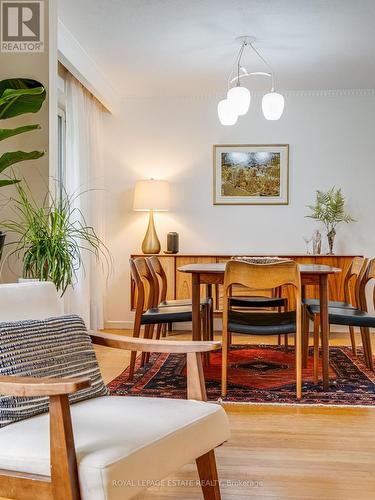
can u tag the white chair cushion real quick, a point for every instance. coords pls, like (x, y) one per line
(29, 300)
(123, 439)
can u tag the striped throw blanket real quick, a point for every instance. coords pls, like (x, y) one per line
(54, 347)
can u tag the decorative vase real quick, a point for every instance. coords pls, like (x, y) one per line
(331, 239)
(317, 242)
(172, 243)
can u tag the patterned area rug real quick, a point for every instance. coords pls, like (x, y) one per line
(257, 374)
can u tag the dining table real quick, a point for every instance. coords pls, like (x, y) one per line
(311, 274)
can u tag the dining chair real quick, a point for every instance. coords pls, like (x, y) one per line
(350, 316)
(351, 285)
(161, 284)
(148, 312)
(260, 277)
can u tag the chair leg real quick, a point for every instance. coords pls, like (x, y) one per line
(352, 339)
(369, 349)
(133, 355)
(316, 348)
(206, 331)
(159, 330)
(279, 339)
(364, 346)
(286, 342)
(211, 320)
(207, 471)
(305, 337)
(147, 335)
(224, 361)
(164, 330)
(170, 327)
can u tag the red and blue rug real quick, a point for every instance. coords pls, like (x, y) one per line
(256, 374)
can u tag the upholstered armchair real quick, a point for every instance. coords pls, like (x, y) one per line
(109, 446)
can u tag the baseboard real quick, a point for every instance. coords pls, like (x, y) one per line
(118, 325)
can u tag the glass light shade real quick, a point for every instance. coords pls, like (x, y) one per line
(239, 97)
(273, 105)
(227, 115)
(151, 195)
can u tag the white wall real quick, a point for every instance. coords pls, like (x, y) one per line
(331, 138)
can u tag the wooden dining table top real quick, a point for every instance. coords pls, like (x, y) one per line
(219, 268)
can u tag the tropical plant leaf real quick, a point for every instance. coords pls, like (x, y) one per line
(8, 182)
(5, 133)
(8, 159)
(19, 96)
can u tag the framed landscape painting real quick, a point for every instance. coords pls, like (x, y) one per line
(251, 174)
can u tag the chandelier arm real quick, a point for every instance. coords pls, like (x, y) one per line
(237, 65)
(267, 64)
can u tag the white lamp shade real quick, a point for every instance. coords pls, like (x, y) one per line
(273, 105)
(151, 195)
(239, 98)
(226, 112)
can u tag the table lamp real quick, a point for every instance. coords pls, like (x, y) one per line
(153, 196)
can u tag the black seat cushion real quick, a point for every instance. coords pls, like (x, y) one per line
(257, 302)
(262, 323)
(331, 303)
(349, 317)
(166, 315)
(182, 303)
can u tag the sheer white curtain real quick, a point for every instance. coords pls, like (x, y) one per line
(84, 173)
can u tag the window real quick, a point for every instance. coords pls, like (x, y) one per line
(61, 152)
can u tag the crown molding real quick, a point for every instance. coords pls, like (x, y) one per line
(257, 93)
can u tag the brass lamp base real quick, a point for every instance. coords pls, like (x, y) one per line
(151, 243)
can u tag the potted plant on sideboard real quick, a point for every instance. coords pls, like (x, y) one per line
(329, 209)
(18, 96)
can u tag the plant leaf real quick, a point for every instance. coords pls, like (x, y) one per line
(8, 159)
(19, 96)
(10, 132)
(6, 182)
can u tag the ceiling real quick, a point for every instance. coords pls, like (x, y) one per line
(187, 47)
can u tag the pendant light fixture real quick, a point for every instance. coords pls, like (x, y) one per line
(238, 98)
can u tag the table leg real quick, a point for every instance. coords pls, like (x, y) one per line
(324, 325)
(305, 334)
(211, 313)
(196, 307)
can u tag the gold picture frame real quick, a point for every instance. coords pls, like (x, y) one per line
(251, 174)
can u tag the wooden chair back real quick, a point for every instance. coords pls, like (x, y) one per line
(144, 280)
(352, 280)
(368, 276)
(161, 277)
(261, 276)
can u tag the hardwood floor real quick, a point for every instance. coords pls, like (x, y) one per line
(281, 453)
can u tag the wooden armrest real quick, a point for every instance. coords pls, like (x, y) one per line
(32, 386)
(148, 345)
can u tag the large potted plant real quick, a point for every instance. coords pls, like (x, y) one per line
(329, 209)
(51, 239)
(18, 96)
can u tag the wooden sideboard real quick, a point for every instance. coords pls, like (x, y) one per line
(179, 284)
